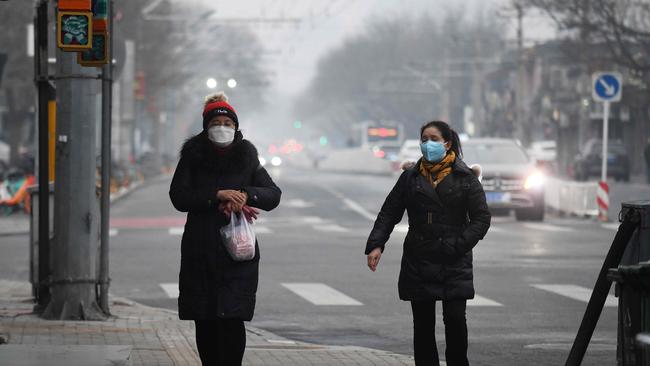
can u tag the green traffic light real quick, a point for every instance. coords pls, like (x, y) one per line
(323, 140)
(297, 124)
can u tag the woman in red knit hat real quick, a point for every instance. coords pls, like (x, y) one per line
(218, 173)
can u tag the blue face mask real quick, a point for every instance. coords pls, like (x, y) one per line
(433, 151)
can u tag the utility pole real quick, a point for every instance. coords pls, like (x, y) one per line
(521, 127)
(43, 86)
(76, 216)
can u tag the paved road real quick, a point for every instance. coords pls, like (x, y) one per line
(532, 279)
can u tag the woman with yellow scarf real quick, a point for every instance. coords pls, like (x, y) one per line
(447, 215)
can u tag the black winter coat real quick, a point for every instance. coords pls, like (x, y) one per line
(211, 284)
(445, 223)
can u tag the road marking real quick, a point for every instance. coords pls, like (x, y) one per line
(401, 228)
(113, 232)
(575, 292)
(548, 227)
(321, 294)
(171, 289)
(334, 228)
(495, 229)
(261, 229)
(482, 301)
(176, 230)
(611, 226)
(297, 203)
(353, 205)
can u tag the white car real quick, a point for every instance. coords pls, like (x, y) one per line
(410, 151)
(543, 150)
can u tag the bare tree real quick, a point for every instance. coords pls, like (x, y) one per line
(623, 26)
(18, 80)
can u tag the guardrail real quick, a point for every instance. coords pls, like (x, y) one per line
(571, 198)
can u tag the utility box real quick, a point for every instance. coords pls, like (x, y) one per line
(633, 291)
(632, 279)
(33, 234)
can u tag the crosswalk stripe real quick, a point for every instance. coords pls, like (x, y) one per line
(482, 301)
(261, 229)
(548, 227)
(171, 289)
(495, 229)
(176, 230)
(321, 294)
(401, 228)
(574, 292)
(611, 226)
(330, 228)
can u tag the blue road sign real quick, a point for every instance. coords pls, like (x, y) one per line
(607, 86)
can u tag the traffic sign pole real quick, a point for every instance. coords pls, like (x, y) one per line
(603, 176)
(606, 88)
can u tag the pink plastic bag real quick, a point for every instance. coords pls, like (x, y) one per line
(239, 238)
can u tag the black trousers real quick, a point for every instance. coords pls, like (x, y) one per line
(424, 333)
(220, 342)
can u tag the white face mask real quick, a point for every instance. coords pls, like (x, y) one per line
(222, 136)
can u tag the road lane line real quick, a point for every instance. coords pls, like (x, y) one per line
(482, 301)
(353, 205)
(321, 294)
(574, 292)
(548, 227)
(176, 230)
(171, 289)
(333, 228)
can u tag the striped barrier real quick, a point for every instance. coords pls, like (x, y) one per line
(602, 199)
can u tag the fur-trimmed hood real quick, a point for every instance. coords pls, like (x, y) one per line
(201, 152)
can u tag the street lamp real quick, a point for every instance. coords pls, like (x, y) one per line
(232, 83)
(211, 83)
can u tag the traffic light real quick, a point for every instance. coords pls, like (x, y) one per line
(297, 125)
(323, 140)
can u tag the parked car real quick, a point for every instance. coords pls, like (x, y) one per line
(588, 163)
(511, 180)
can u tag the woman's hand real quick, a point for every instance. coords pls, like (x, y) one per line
(373, 259)
(250, 213)
(230, 195)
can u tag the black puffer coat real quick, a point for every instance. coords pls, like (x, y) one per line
(445, 223)
(211, 284)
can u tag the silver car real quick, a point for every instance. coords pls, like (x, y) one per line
(511, 180)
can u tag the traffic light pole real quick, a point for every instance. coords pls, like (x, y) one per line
(107, 101)
(42, 84)
(76, 217)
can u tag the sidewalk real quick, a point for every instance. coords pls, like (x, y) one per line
(157, 337)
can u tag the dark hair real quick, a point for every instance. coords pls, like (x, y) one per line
(447, 133)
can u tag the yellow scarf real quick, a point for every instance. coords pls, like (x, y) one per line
(436, 172)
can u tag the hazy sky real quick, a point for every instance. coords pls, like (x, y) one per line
(294, 49)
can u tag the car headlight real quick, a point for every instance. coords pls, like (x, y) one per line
(535, 180)
(262, 161)
(276, 161)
